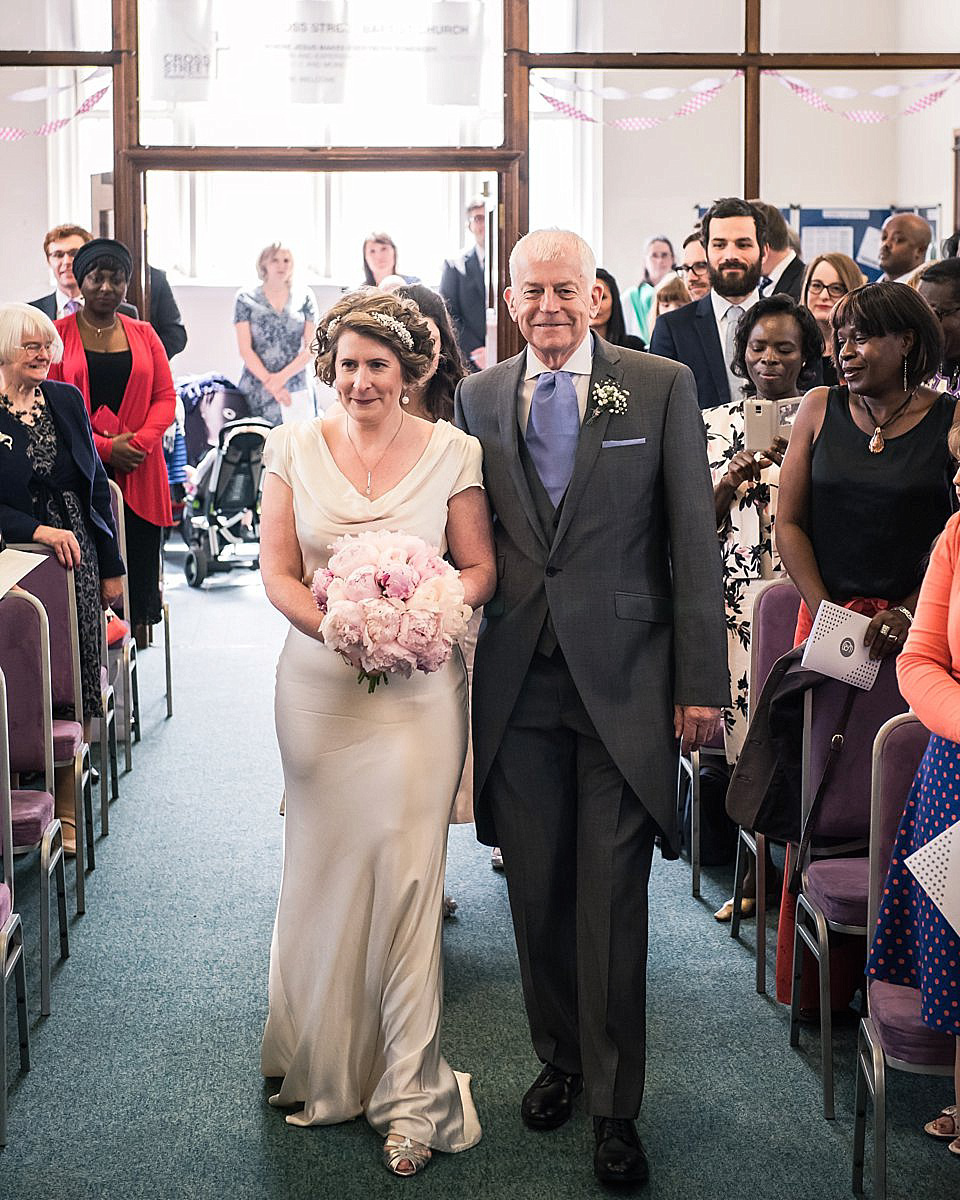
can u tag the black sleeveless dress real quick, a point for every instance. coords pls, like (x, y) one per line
(873, 517)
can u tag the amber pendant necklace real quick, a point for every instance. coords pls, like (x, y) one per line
(876, 443)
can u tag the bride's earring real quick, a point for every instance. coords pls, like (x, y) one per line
(404, 399)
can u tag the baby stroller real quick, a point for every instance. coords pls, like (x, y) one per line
(221, 524)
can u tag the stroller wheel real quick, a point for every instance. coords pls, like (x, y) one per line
(196, 566)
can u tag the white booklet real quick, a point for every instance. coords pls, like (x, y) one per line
(14, 565)
(937, 869)
(835, 646)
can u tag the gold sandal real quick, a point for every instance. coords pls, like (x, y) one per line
(932, 1127)
(402, 1156)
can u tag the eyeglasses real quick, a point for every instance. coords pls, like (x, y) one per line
(942, 313)
(697, 268)
(58, 254)
(833, 290)
(36, 347)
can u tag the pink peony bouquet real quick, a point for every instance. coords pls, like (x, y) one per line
(391, 605)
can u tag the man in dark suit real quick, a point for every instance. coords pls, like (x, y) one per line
(782, 267)
(603, 644)
(59, 247)
(700, 335)
(463, 286)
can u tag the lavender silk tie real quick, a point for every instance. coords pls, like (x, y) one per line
(70, 307)
(553, 429)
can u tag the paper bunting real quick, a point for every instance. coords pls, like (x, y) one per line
(699, 100)
(866, 116)
(10, 133)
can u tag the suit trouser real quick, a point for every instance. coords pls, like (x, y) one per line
(577, 846)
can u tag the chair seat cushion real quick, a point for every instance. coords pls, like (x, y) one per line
(6, 908)
(895, 1010)
(838, 887)
(67, 740)
(32, 812)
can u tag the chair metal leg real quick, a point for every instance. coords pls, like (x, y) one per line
(860, 1113)
(80, 860)
(760, 842)
(127, 708)
(45, 925)
(879, 1125)
(826, 1016)
(58, 866)
(102, 739)
(135, 686)
(695, 823)
(12, 963)
(112, 751)
(87, 785)
(167, 656)
(745, 846)
(795, 979)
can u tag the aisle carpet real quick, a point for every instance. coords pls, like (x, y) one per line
(144, 1080)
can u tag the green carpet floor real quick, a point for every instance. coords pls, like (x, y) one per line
(144, 1080)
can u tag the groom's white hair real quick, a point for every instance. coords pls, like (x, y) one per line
(550, 245)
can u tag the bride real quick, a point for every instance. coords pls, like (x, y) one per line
(355, 963)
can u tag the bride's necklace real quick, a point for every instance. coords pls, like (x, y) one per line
(876, 443)
(360, 459)
(81, 314)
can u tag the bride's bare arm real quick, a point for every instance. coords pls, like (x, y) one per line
(470, 540)
(281, 565)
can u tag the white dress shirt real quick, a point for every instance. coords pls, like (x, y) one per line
(580, 367)
(721, 307)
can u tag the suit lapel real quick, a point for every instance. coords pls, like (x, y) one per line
(706, 327)
(507, 419)
(606, 368)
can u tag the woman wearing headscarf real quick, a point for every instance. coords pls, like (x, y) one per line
(121, 369)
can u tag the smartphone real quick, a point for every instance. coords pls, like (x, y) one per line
(766, 420)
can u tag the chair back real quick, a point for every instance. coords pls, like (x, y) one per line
(844, 811)
(897, 750)
(773, 624)
(6, 802)
(54, 586)
(120, 524)
(25, 659)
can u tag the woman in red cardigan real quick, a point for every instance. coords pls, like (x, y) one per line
(120, 366)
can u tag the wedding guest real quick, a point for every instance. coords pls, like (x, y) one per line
(658, 260)
(275, 322)
(904, 241)
(53, 491)
(120, 366)
(380, 259)
(940, 287)
(355, 963)
(914, 945)
(670, 294)
(463, 287)
(867, 483)
(782, 266)
(609, 323)
(828, 277)
(694, 269)
(776, 350)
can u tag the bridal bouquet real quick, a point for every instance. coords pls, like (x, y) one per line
(391, 605)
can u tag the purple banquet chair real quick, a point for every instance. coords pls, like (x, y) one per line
(123, 653)
(11, 931)
(53, 586)
(773, 624)
(834, 893)
(892, 1034)
(26, 727)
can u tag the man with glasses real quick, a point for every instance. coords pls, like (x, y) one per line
(61, 244)
(463, 286)
(693, 268)
(701, 334)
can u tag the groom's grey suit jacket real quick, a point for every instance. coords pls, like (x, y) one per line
(631, 574)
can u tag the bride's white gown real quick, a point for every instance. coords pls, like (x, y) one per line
(355, 963)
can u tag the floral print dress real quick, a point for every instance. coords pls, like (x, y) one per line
(276, 337)
(748, 555)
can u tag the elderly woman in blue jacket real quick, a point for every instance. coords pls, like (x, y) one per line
(53, 488)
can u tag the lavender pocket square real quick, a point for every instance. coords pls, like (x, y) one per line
(624, 442)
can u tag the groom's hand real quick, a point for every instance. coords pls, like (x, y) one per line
(694, 725)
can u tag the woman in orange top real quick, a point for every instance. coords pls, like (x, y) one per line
(120, 366)
(914, 945)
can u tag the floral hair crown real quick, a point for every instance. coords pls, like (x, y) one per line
(397, 328)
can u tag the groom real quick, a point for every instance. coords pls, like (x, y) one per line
(604, 643)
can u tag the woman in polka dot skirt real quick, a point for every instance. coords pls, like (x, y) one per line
(914, 945)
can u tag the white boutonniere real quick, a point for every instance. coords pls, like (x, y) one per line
(6, 440)
(607, 397)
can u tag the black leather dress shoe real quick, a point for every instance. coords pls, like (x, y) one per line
(619, 1157)
(549, 1099)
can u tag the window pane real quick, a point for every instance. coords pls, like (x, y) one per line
(49, 172)
(617, 185)
(322, 72)
(861, 25)
(657, 25)
(206, 229)
(871, 155)
(56, 25)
